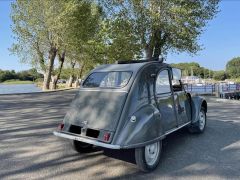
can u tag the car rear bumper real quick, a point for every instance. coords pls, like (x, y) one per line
(86, 140)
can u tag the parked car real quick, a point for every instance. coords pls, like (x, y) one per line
(132, 104)
(62, 81)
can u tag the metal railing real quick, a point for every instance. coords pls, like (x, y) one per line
(204, 89)
(229, 88)
(212, 88)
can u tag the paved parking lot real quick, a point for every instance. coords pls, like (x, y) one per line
(28, 149)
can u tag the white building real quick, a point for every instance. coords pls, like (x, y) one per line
(192, 80)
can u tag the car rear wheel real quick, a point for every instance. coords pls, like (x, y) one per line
(148, 157)
(81, 147)
(200, 125)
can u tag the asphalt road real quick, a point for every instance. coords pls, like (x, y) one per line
(29, 150)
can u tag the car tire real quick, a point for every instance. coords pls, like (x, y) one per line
(200, 125)
(148, 157)
(81, 147)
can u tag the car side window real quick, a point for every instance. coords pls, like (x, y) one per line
(163, 83)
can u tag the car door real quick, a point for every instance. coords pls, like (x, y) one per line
(181, 99)
(182, 106)
(165, 100)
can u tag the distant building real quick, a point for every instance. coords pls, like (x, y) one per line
(229, 81)
(192, 80)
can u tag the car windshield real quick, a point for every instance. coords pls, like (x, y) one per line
(115, 79)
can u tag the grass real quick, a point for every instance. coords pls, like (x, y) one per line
(16, 81)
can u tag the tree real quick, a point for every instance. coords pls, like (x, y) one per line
(7, 75)
(35, 40)
(121, 44)
(81, 25)
(195, 68)
(233, 67)
(46, 29)
(220, 75)
(163, 25)
(30, 75)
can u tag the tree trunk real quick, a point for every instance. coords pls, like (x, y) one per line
(149, 51)
(70, 81)
(157, 44)
(76, 83)
(81, 71)
(48, 72)
(149, 47)
(53, 85)
(61, 59)
(160, 40)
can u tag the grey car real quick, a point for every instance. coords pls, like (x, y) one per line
(132, 104)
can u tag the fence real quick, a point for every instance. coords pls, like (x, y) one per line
(204, 89)
(212, 88)
(229, 88)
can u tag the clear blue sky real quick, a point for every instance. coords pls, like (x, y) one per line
(7, 61)
(221, 39)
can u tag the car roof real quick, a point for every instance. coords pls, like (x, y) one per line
(133, 67)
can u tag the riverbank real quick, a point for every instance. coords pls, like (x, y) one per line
(14, 82)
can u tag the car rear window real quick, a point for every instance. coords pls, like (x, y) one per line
(116, 79)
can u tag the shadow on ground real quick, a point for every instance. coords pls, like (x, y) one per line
(28, 150)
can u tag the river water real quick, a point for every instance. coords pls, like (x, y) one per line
(18, 88)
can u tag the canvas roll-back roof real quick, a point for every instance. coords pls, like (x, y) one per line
(133, 67)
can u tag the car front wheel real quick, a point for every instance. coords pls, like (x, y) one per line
(200, 125)
(148, 157)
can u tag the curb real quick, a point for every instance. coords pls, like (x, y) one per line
(41, 92)
(223, 100)
(228, 100)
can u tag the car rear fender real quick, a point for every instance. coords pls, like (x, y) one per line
(143, 127)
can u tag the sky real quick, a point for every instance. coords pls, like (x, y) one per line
(220, 40)
(7, 61)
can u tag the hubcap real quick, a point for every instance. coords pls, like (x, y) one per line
(202, 120)
(151, 153)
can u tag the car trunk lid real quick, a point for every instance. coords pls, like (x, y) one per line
(97, 109)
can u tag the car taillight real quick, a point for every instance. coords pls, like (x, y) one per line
(60, 126)
(106, 136)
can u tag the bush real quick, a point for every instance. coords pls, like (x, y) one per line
(28, 75)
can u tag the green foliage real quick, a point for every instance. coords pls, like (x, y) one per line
(121, 44)
(88, 33)
(44, 29)
(6, 75)
(233, 67)
(161, 26)
(220, 75)
(194, 69)
(28, 75)
(237, 80)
